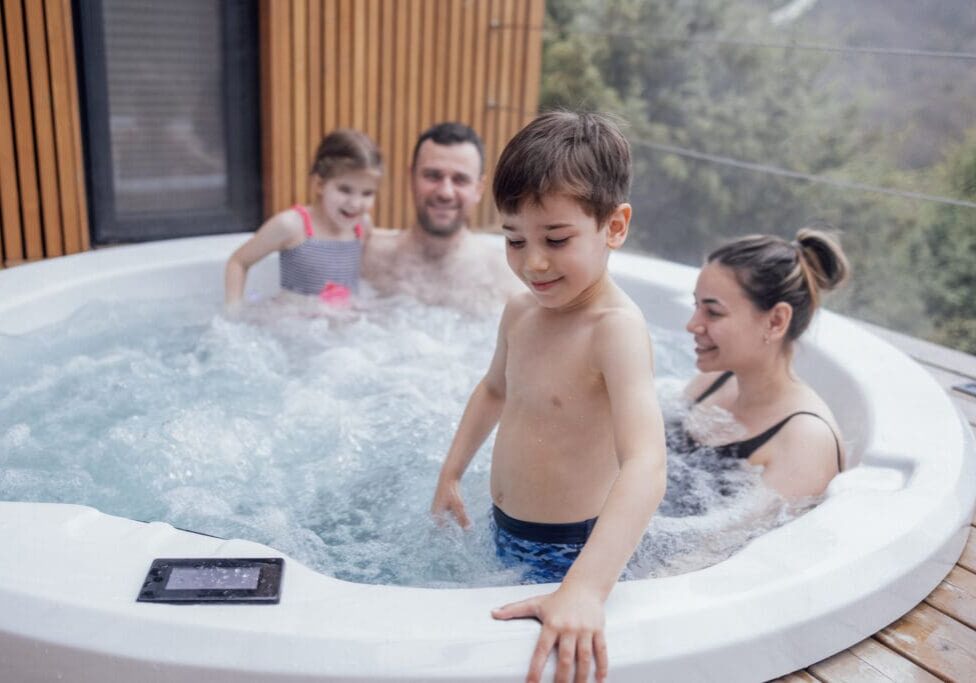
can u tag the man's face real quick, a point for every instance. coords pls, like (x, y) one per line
(447, 184)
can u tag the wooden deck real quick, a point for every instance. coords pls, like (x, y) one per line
(936, 640)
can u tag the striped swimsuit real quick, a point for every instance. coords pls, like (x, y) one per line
(325, 268)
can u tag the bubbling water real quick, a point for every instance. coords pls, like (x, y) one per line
(317, 432)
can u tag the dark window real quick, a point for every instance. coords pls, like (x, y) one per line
(170, 99)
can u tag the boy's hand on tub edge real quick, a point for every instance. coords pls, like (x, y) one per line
(572, 622)
(447, 498)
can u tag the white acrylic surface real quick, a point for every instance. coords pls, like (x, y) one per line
(892, 526)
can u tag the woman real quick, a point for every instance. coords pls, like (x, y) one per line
(754, 297)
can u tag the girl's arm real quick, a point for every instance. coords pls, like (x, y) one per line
(480, 416)
(573, 617)
(281, 231)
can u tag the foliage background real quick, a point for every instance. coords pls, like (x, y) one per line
(719, 77)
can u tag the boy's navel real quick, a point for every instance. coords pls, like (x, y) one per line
(556, 402)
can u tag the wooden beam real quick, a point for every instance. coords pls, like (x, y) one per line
(400, 104)
(74, 116)
(11, 244)
(62, 71)
(300, 152)
(315, 82)
(47, 165)
(19, 85)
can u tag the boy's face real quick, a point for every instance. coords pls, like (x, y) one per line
(558, 251)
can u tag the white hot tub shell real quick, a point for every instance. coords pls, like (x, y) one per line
(891, 528)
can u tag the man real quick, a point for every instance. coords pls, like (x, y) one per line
(438, 259)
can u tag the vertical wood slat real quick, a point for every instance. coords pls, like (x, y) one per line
(490, 120)
(401, 137)
(299, 66)
(61, 74)
(427, 116)
(330, 67)
(74, 118)
(414, 123)
(479, 95)
(453, 62)
(512, 104)
(532, 73)
(314, 77)
(23, 129)
(345, 74)
(47, 166)
(11, 244)
(466, 56)
(359, 72)
(372, 48)
(387, 112)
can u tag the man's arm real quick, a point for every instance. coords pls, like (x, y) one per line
(573, 617)
(480, 416)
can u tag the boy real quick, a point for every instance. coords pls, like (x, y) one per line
(578, 466)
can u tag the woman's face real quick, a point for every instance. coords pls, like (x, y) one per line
(729, 330)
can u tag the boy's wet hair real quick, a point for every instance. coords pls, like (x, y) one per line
(450, 133)
(580, 154)
(770, 270)
(345, 150)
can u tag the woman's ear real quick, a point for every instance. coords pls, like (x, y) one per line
(618, 225)
(778, 321)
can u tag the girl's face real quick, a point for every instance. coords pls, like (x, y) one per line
(347, 198)
(728, 328)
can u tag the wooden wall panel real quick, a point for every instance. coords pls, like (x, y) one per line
(43, 211)
(392, 68)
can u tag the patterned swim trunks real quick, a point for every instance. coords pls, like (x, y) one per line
(544, 552)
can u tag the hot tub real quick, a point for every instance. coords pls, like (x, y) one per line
(892, 526)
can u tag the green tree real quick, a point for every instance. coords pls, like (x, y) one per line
(695, 76)
(948, 256)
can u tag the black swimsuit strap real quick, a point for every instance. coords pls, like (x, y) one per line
(743, 449)
(714, 386)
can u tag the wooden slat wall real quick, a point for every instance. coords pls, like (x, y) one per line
(43, 209)
(392, 68)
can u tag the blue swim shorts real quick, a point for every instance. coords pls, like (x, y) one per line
(544, 552)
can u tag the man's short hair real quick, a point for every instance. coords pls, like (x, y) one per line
(580, 154)
(451, 133)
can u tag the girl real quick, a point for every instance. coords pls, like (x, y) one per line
(754, 297)
(321, 244)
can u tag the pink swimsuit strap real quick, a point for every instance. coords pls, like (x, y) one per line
(307, 222)
(306, 219)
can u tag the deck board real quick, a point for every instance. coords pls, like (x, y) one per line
(870, 660)
(934, 641)
(956, 596)
(937, 639)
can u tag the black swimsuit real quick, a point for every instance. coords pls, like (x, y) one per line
(744, 449)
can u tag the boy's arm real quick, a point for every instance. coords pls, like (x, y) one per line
(480, 416)
(572, 617)
(276, 234)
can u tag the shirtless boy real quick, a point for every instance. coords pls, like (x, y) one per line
(578, 466)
